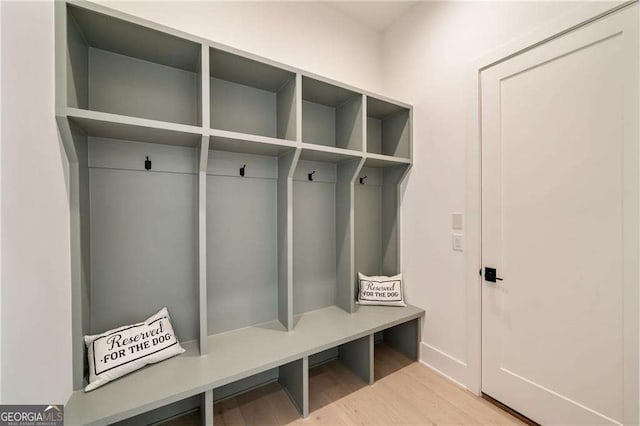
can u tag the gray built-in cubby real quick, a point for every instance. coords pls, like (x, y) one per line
(157, 77)
(388, 128)
(331, 115)
(266, 190)
(248, 96)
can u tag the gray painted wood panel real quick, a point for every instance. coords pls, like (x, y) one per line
(124, 85)
(222, 163)
(243, 109)
(202, 244)
(327, 154)
(242, 252)
(357, 355)
(368, 223)
(126, 155)
(123, 37)
(77, 62)
(111, 126)
(79, 222)
(286, 167)
(321, 92)
(206, 408)
(318, 124)
(204, 90)
(324, 172)
(286, 106)
(161, 414)
(323, 357)
(314, 245)
(395, 134)
(374, 135)
(349, 124)
(345, 233)
(243, 385)
(379, 109)
(249, 144)
(248, 72)
(339, 126)
(294, 378)
(143, 248)
(392, 177)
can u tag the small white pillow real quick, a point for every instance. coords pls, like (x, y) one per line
(122, 350)
(380, 290)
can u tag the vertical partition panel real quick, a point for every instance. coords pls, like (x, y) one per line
(349, 124)
(368, 221)
(202, 241)
(392, 177)
(286, 166)
(347, 172)
(294, 378)
(286, 110)
(205, 91)
(76, 145)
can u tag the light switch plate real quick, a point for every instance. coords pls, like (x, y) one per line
(458, 242)
(457, 220)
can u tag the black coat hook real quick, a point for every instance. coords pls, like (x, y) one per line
(242, 169)
(147, 164)
(310, 175)
(362, 180)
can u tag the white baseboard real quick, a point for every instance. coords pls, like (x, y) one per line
(444, 364)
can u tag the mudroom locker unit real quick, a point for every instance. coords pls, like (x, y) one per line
(242, 194)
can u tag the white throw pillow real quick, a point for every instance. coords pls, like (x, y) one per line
(380, 290)
(122, 350)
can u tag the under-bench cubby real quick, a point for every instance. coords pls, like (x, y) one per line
(118, 67)
(242, 194)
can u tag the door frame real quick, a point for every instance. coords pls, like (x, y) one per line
(575, 18)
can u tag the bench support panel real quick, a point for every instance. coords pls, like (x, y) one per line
(294, 378)
(206, 408)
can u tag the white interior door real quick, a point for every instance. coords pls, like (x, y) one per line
(560, 223)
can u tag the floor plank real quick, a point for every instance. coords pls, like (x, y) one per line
(405, 393)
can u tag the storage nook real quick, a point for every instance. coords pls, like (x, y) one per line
(242, 194)
(388, 128)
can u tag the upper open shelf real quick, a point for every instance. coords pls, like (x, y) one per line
(388, 129)
(251, 97)
(119, 67)
(331, 115)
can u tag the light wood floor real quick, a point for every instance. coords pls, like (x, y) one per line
(405, 392)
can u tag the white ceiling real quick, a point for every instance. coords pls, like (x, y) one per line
(378, 15)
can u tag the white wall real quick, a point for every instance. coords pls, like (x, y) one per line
(427, 56)
(36, 324)
(35, 295)
(308, 35)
